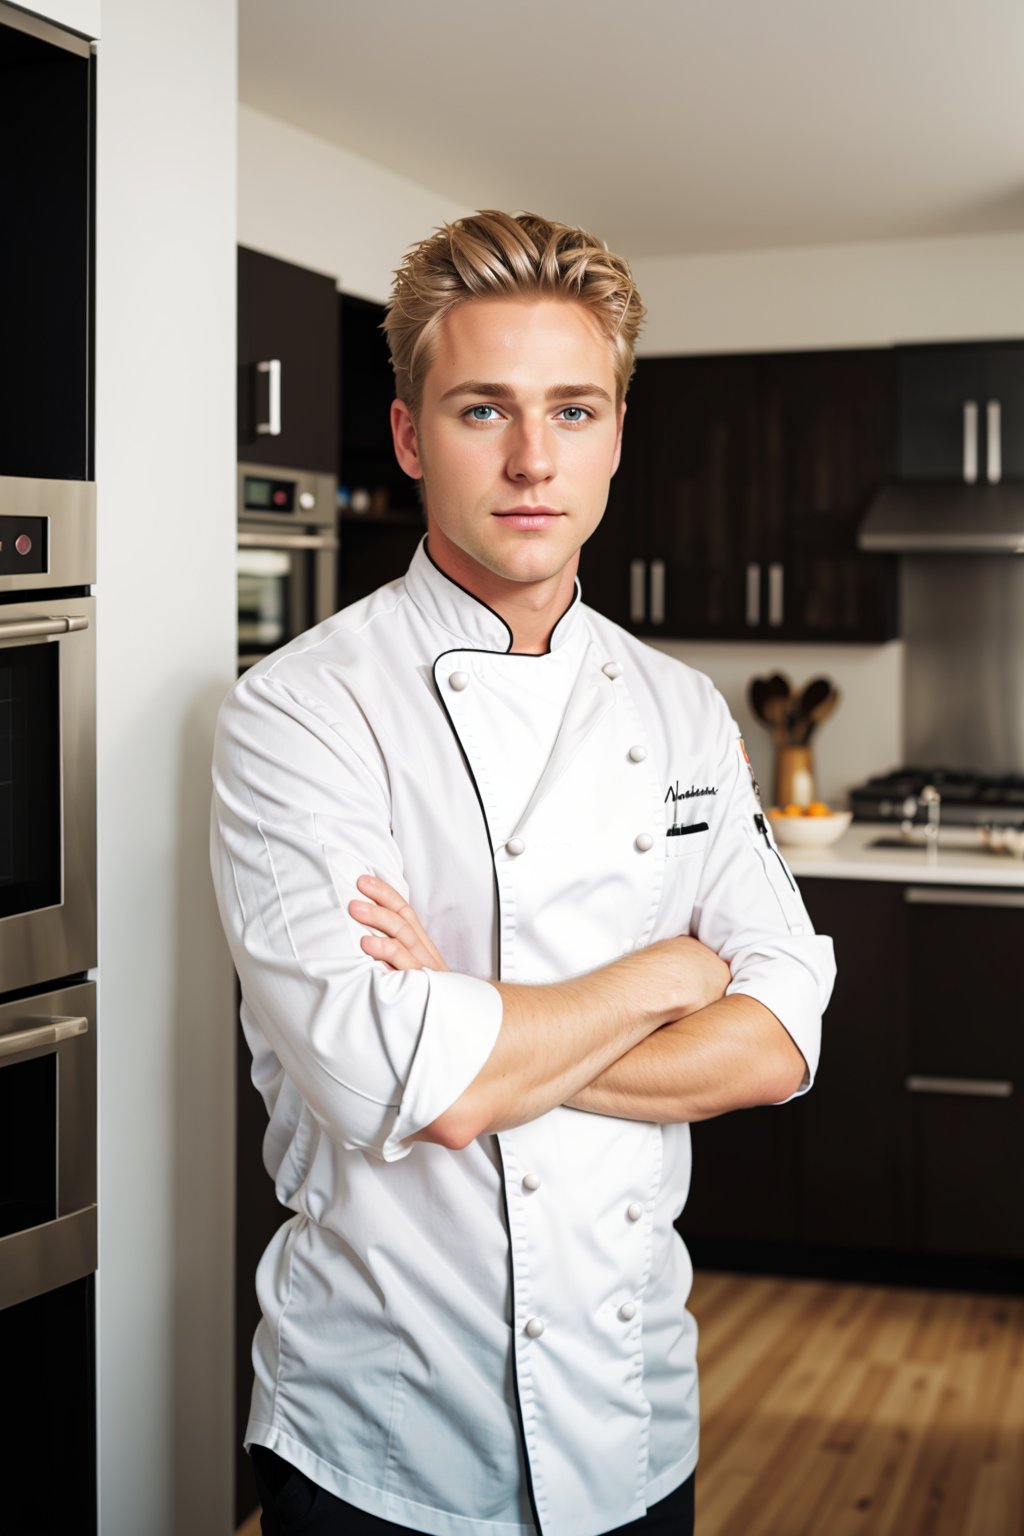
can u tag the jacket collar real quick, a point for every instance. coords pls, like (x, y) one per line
(475, 626)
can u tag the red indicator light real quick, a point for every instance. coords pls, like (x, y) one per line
(23, 544)
(280, 497)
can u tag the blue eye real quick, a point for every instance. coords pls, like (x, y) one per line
(574, 413)
(474, 412)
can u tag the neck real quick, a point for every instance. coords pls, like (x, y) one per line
(531, 609)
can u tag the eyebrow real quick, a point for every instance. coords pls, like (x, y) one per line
(506, 392)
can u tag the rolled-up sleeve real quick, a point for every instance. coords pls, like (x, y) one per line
(749, 910)
(301, 809)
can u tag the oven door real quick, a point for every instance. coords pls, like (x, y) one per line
(47, 1141)
(287, 580)
(47, 790)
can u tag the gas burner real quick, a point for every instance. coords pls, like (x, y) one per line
(968, 797)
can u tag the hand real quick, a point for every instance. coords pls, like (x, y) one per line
(403, 943)
(693, 970)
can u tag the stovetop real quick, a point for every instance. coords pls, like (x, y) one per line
(966, 798)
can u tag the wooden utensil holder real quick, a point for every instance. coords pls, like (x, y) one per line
(794, 776)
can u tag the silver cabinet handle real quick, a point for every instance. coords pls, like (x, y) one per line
(776, 595)
(637, 591)
(970, 441)
(753, 595)
(286, 541)
(38, 629)
(272, 426)
(657, 591)
(994, 442)
(47, 1032)
(942, 896)
(961, 1087)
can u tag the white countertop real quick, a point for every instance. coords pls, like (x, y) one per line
(852, 859)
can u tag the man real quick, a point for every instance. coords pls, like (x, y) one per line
(491, 967)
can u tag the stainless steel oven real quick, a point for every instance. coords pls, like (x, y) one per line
(47, 732)
(47, 1141)
(287, 556)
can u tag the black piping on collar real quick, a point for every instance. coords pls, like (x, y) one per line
(576, 598)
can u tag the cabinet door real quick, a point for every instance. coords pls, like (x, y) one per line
(934, 383)
(614, 570)
(828, 423)
(966, 1079)
(688, 501)
(46, 257)
(48, 1412)
(288, 315)
(744, 1182)
(853, 1187)
(1004, 381)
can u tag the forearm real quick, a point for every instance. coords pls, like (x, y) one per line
(732, 1054)
(555, 1040)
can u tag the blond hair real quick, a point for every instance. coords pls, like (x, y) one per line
(503, 255)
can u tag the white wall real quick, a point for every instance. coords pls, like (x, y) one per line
(863, 737)
(957, 288)
(166, 638)
(310, 202)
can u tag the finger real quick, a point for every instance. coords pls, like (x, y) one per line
(391, 923)
(379, 890)
(380, 947)
(387, 897)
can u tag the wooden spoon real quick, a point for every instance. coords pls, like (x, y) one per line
(814, 694)
(821, 712)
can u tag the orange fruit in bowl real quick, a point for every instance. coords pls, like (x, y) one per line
(818, 808)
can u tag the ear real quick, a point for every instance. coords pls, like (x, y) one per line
(403, 433)
(617, 454)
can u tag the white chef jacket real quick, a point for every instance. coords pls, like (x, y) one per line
(492, 1340)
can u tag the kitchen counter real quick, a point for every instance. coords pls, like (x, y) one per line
(958, 861)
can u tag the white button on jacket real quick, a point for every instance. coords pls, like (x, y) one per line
(411, 1278)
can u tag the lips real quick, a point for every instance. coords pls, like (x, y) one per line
(529, 519)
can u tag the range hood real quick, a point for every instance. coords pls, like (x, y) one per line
(936, 517)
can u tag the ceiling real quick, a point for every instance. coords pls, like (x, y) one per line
(669, 126)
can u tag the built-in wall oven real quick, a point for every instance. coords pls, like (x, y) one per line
(47, 732)
(287, 556)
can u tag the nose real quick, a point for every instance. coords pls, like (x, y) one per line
(530, 453)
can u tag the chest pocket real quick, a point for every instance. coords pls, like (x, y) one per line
(686, 842)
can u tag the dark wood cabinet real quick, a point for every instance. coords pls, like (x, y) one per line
(381, 520)
(853, 1182)
(935, 385)
(47, 112)
(965, 1086)
(734, 513)
(910, 1141)
(827, 442)
(288, 348)
(745, 1180)
(48, 1412)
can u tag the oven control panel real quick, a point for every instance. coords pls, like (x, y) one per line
(23, 546)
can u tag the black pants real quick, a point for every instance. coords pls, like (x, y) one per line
(293, 1503)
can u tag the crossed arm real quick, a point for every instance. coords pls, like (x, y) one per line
(650, 1037)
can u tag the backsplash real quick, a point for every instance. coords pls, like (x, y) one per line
(863, 737)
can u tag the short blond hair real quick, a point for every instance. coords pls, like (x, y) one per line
(503, 255)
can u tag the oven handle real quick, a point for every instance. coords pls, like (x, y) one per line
(47, 1032)
(285, 541)
(32, 629)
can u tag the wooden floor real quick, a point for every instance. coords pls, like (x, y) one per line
(849, 1410)
(854, 1410)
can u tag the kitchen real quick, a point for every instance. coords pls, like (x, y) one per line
(165, 578)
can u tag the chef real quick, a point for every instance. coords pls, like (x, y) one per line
(507, 917)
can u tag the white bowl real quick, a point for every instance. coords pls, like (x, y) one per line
(810, 831)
